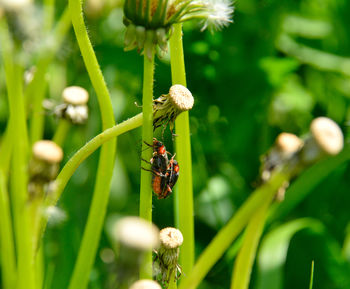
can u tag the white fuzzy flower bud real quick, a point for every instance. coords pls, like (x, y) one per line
(145, 284)
(326, 139)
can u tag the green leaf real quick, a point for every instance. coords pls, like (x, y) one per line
(274, 248)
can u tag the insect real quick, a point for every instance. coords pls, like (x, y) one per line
(162, 184)
(165, 172)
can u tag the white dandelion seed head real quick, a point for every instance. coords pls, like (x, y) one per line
(219, 13)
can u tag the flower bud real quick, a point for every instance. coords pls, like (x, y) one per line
(158, 16)
(136, 233)
(74, 107)
(14, 5)
(285, 147)
(44, 166)
(168, 254)
(134, 237)
(168, 106)
(145, 284)
(326, 139)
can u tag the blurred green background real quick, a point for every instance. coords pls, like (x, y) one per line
(279, 65)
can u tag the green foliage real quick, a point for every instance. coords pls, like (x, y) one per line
(278, 66)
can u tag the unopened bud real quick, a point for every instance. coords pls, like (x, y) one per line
(75, 95)
(281, 154)
(47, 151)
(14, 5)
(136, 233)
(288, 143)
(74, 107)
(135, 237)
(145, 284)
(168, 254)
(168, 106)
(43, 167)
(326, 139)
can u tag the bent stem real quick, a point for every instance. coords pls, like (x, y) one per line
(245, 259)
(147, 138)
(184, 193)
(92, 232)
(83, 153)
(232, 229)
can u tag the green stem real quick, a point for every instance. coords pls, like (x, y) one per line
(19, 186)
(227, 234)
(74, 162)
(19, 162)
(321, 60)
(61, 132)
(312, 275)
(6, 148)
(37, 87)
(306, 182)
(184, 193)
(6, 237)
(97, 212)
(49, 14)
(245, 259)
(147, 137)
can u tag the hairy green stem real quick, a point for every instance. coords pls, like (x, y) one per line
(246, 256)
(74, 162)
(61, 132)
(184, 192)
(97, 212)
(37, 87)
(231, 230)
(147, 138)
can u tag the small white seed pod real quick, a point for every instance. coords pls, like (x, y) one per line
(281, 154)
(170, 238)
(75, 95)
(136, 233)
(47, 151)
(168, 254)
(168, 106)
(14, 5)
(181, 97)
(326, 139)
(145, 284)
(288, 143)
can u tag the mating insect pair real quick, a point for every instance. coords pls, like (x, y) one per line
(165, 172)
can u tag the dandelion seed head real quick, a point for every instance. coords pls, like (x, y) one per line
(219, 14)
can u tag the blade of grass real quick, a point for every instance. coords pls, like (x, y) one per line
(231, 230)
(246, 256)
(312, 275)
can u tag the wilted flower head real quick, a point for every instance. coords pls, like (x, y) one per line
(149, 21)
